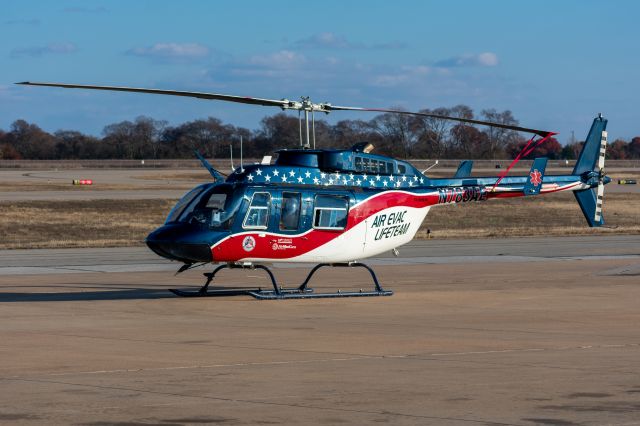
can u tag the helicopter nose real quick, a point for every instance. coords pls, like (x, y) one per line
(179, 242)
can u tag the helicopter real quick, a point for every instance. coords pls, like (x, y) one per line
(335, 207)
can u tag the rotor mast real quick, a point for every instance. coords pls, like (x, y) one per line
(309, 108)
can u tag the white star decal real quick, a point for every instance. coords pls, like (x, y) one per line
(307, 174)
(267, 178)
(292, 173)
(276, 172)
(250, 177)
(350, 176)
(316, 180)
(372, 182)
(330, 181)
(377, 177)
(421, 180)
(259, 172)
(364, 176)
(398, 184)
(358, 181)
(410, 183)
(284, 178)
(384, 183)
(345, 181)
(415, 178)
(300, 179)
(404, 178)
(337, 175)
(391, 178)
(323, 175)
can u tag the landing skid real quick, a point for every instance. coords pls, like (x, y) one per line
(301, 292)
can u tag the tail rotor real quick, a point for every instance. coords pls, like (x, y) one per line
(601, 175)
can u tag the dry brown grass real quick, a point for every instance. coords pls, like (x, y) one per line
(110, 223)
(94, 223)
(170, 177)
(160, 182)
(58, 186)
(556, 214)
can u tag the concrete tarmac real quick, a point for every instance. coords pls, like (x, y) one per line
(517, 331)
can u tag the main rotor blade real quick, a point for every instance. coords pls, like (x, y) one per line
(542, 133)
(211, 96)
(286, 104)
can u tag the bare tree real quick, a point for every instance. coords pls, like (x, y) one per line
(396, 135)
(498, 138)
(431, 133)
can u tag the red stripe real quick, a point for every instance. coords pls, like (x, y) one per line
(231, 249)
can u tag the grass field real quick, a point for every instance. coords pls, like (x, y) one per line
(109, 223)
(93, 223)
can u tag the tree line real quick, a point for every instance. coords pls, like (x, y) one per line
(392, 134)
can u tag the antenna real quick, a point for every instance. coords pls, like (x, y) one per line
(430, 167)
(241, 167)
(231, 154)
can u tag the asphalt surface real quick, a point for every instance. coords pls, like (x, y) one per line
(140, 259)
(517, 331)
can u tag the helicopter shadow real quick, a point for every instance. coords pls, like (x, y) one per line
(79, 295)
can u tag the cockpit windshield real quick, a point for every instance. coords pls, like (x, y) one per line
(214, 207)
(183, 203)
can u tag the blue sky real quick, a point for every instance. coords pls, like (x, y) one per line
(555, 64)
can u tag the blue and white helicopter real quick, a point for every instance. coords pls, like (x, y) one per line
(336, 207)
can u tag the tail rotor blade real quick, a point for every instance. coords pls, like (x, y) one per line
(599, 200)
(601, 174)
(603, 150)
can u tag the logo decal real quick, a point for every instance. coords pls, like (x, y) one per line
(283, 244)
(249, 243)
(536, 177)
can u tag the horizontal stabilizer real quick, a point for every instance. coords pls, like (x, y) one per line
(534, 181)
(464, 169)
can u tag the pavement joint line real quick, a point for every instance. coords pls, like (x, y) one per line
(238, 364)
(274, 403)
(422, 260)
(562, 348)
(343, 359)
(164, 342)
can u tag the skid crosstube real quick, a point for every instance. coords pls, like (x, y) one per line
(279, 293)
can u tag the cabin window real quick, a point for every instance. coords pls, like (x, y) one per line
(402, 169)
(365, 164)
(258, 214)
(358, 164)
(389, 168)
(290, 211)
(330, 212)
(373, 166)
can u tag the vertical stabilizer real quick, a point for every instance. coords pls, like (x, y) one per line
(591, 158)
(464, 169)
(591, 150)
(536, 174)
